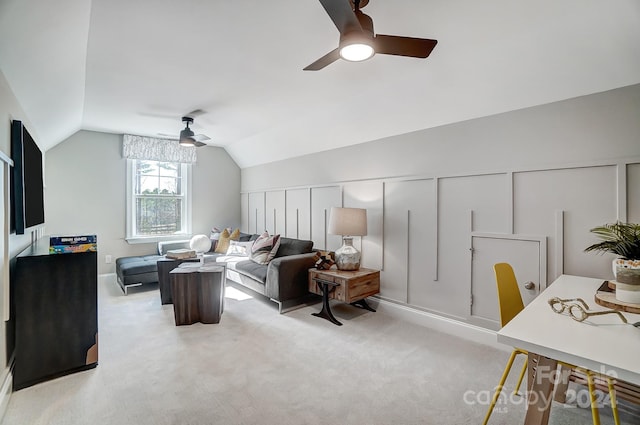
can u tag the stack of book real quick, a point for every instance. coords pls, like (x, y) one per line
(180, 254)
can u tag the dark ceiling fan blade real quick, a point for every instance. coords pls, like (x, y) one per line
(327, 59)
(404, 46)
(198, 144)
(342, 15)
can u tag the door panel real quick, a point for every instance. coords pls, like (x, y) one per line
(524, 255)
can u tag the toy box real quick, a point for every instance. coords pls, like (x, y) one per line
(66, 244)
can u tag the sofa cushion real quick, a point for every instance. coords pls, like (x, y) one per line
(290, 246)
(264, 248)
(253, 270)
(137, 265)
(246, 237)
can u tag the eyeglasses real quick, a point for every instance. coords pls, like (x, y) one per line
(578, 309)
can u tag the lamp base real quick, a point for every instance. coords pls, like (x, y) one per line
(347, 256)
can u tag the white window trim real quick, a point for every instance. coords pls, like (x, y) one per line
(131, 213)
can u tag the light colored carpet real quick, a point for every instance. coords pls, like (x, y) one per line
(259, 367)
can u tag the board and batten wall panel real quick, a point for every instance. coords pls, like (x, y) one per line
(409, 240)
(633, 193)
(465, 205)
(256, 212)
(367, 195)
(244, 212)
(275, 212)
(564, 204)
(322, 199)
(395, 271)
(590, 131)
(298, 218)
(423, 255)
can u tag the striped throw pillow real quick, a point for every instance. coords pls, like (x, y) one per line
(264, 248)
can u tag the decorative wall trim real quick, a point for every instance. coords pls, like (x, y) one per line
(622, 191)
(559, 244)
(436, 230)
(511, 201)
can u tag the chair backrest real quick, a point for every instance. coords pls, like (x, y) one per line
(509, 298)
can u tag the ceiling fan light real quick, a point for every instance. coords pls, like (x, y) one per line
(189, 142)
(356, 52)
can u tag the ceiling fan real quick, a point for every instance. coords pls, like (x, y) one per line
(187, 136)
(358, 42)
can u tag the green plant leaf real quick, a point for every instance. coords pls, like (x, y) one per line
(622, 239)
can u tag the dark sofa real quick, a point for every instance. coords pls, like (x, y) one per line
(283, 280)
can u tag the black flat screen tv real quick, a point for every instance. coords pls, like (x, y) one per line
(27, 188)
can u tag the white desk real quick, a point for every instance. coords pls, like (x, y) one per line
(601, 343)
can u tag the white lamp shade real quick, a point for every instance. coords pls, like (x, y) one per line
(348, 221)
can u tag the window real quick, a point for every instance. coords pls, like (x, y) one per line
(158, 200)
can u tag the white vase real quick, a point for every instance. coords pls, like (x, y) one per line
(627, 275)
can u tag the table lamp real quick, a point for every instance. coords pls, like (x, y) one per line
(348, 222)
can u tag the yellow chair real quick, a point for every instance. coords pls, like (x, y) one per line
(510, 303)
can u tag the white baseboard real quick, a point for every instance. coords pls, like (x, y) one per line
(442, 324)
(107, 278)
(5, 391)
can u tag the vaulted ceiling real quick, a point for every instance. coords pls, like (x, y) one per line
(137, 66)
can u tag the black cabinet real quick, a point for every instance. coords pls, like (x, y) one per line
(54, 301)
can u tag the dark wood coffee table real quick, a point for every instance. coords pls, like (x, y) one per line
(198, 293)
(165, 265)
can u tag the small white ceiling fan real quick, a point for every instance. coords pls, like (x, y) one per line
(187, 137)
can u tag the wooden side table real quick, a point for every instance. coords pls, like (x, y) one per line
(351, 287)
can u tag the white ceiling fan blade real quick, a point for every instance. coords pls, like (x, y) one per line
(201, 137)
(169, 136)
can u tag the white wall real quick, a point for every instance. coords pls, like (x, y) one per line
(552, 172)
(85, 193)
(596, 127)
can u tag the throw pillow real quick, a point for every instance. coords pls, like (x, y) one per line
(239, 249)
(264, 248)
(215, 236)
(225, 238)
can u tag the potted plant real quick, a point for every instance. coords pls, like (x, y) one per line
(622, 239)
